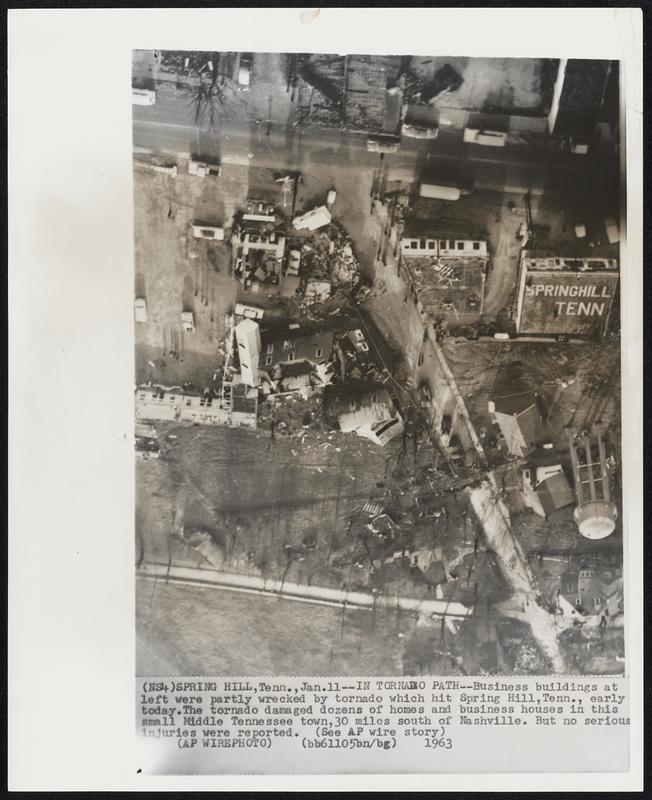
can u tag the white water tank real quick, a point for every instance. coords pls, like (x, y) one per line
(596, 519)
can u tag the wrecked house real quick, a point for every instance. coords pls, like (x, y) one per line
(297, 376)
(520, 422)
(317, 290)
(244, 404)
(258, 251)
(313, 219)
(364, 409)
(546, 489)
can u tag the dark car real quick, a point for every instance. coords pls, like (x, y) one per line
(445, 79)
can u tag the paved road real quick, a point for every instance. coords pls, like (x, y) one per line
(300, 592)
(170, 126)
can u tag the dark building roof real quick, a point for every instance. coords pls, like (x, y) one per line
(582, 96)
(305, 346)
(295, 368)
(555, 492)
(515, 403)
(523, 407)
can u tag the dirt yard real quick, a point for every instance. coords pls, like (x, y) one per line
(175, 272)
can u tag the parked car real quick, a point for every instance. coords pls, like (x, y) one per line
(244, 70)
(140, 309)
(203, 170)
(330, 199)
(143, 97)
(419, 132)
(202, 231)
(294, 262)
(489, 138)
(380, 144)
(579, 147)
(612, 230)
(188, 321)
(580, 230)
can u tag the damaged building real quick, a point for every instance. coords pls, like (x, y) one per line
(364, 409)
(520, 422)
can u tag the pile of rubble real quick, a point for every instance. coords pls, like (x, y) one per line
(329, 256)
(291, 415)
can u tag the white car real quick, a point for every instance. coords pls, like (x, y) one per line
(294, 262)
(489, 138)
(579, 147)
(244, 70)
(140, 309)
(188, 321)
(382, 145)
(200, 231)
(613, 232)
(419, 132)
(330, 199)
(203, 170)
(143, 97)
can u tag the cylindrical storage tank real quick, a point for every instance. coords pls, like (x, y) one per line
(596, 519)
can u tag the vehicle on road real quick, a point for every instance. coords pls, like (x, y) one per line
(501, 335)
(188, 321)
(140, 309)
(578, 146)
(612, 230)
(201, 230)
(438, 191)
(244, 70)
(580, 229)
(383, 144)
(489, 138)
(143, 97)
(330, 199)
(419, 132)
(203, 170)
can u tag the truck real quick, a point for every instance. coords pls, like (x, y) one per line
(438, 191)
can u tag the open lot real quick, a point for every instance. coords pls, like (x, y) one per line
(285, 506)
(186, 630)
(495, 85)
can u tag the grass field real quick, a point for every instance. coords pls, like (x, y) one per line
(185, 630)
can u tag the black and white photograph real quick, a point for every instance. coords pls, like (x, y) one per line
(377, 351)
(325, 399)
